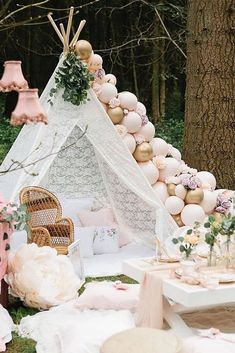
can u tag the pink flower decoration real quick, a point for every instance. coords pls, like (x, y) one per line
(114, 102)
(122, 130)
(144, 119)
(139, 138)
(126, 111)
(96, 88)
(100, 73)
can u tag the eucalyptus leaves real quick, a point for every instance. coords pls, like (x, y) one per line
(74, 78)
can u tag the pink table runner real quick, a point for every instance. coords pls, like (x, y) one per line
(150, 308)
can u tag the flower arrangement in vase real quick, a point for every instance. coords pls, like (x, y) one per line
(188, 242)
(213, 228)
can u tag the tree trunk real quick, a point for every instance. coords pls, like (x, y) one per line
(155, 77)
(209, 112)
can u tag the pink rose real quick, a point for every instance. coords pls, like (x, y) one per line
(139, 138)
(114, 102)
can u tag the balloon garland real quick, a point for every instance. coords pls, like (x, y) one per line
(188, 195)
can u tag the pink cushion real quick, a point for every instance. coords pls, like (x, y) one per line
(105, 296)
(125, 235)
(103, 217)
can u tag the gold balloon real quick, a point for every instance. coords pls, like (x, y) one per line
(178, 220)
(194, 196)
(116, 114)
(171, 189)
(143, 152)
(83, 49)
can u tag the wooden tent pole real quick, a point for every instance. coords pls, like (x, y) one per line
(76, 36)
(69, 24)
(55, 27)
(66, 44)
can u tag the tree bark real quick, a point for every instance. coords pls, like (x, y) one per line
(209, 112)
(155, 77)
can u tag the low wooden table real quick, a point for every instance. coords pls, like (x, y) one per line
(181, 297)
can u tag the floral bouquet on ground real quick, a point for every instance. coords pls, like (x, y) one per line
(13, 214)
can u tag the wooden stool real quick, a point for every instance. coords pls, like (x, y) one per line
(142, 340)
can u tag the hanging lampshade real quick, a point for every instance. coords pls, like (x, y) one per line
(28, 108)
(12, 78)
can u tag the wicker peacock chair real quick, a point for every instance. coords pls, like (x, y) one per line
(46, 225)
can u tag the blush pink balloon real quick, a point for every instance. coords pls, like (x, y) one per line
(180, 191)
(174, 205)
(105, 106)
(129, 141)
(160, 189)
(148, 131)
(140, 109)
(192, 213)
(150, 171)
(159, 146)
(109, 78)
(172, 168)
(128, 100)
(107, 92)
(207, 178)
(175, 153)
(132, 121)
(209, 201)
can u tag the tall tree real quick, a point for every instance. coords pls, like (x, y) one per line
(209, 142)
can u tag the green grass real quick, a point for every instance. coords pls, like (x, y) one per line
(18, 311)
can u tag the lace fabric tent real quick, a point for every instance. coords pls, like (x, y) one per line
(97, 165)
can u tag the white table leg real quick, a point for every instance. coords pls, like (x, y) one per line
(174, 320)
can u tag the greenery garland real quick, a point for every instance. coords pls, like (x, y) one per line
(74, 77)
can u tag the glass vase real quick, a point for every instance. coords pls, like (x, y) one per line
(211, 257)
(227, 251)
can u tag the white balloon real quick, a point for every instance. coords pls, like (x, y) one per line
(209, 201)
(175, 153)
(107, 92)
(129, 140)
(140, 109)
(159, 146)
(110, 78)
(128, 100)
(192, 213)
(174, 205)
(172, 168)
(160, 189)
(150, 171)
(180, 191)
(207, 178)
(148, 131)
(132, 121)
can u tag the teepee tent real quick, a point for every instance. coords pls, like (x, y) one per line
(97, 165)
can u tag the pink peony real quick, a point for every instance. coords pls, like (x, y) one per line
(139, 138)
(122, 130)
(144, 119)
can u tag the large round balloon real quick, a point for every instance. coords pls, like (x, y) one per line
(95, 63)
(116, 114)
(209, 201)
(160, 189)
(107, 92)
(148, 131)
(175, 153)
(207, 178)
(129, 140)
(143, 152)
(180, 191)
(140, 109)
(128, 100)
(132, 121)
(171, 189)
(150, 171)
(194, 196)
(174, 205)
(83, 49)
(160, 147)
(109, 78)
(172, 168)
(192, 213)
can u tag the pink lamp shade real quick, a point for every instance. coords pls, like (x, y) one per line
(28, 108)
(12, 78)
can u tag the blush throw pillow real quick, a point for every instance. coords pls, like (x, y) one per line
(105, 296)
(103, 217)
(106, 240)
